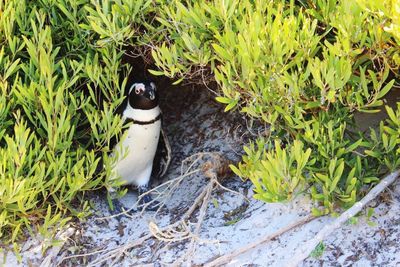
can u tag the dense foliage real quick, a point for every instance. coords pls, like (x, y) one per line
(53, 132)
(304, 67)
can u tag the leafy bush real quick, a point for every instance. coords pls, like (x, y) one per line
(59, 89)
(276, 173)
(304, 67)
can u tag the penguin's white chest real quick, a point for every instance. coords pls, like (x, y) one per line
(139, 147)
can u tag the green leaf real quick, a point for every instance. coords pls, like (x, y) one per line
(235, 170)
(391, 114)
(354, 146)
(178, 81)
(223, 100)
(337, 176)
(230, 106)
(385, 89)
(221, 52)
(156, 72)
(11, 69)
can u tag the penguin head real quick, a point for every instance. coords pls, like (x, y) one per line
(143, 95)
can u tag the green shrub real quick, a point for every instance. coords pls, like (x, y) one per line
(276, 174)
(304, 67)
(56, 59)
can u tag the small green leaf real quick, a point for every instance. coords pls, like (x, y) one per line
(385, 89)
(156, 72)
(223, 100)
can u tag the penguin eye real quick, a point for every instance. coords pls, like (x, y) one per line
(137, 91)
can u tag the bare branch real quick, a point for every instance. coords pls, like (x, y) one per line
(307, 248)
(228, 257)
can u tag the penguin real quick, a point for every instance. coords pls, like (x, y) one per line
(138, 149)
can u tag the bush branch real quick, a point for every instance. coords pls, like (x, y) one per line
(307, 248)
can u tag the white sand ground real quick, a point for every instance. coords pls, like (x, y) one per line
(195, 124)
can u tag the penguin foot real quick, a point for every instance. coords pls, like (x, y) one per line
(148, 204)
(118, 208)
(145, 201)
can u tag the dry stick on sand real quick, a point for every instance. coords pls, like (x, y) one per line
(228, 257)
(210, 173)
(307, 248)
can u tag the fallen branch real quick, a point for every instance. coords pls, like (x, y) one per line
(307, 248)
(228, 257)
(200, 219)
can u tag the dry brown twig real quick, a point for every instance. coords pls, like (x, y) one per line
(307, 248)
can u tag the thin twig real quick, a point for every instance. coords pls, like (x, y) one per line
(228, 257)
(307, 248)
(115, 251)
(232, 191)
(201, 217)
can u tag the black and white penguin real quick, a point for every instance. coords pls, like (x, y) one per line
(138, 149)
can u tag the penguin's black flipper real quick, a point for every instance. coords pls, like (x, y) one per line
(163, 156)
(119, 208)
